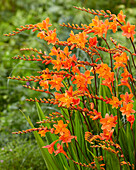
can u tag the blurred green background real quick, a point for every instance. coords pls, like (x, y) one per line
(21, 152)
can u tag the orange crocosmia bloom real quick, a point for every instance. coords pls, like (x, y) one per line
(44, 83)
(60, 150)
(97, 115)
(127, 97)
(93, 41)
(45, 75)
(60, 127)
(113, 25)
(69, 62)
(106, 135)
(43, 132)
(66, 137)
(41, 34)
(51, 37)
(82, 80)
(126, 74)
(131, 119)
(120, 60)
(50, 147)
(82, 39)
(67, 98)
(108, 122)
(115, 102)
(128, 30)
(121, 17)
(99, 27)
(56, 82)
(124, 82)
(57, 64)
(79, 39)
(103, 70)
(44, 25)
(54, 51)
(127, 109)
(75, 69)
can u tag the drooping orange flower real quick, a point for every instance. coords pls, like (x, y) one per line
(128, 30)
(108, 122)
(131, 119)
(115, 102)
(124, 80)
(60, 150)
(50, 147)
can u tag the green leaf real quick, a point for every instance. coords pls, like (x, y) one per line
(48, 158)
(112, 161)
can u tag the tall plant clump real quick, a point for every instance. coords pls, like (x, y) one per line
(95, 127)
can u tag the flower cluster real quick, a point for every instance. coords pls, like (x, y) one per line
(96, 98)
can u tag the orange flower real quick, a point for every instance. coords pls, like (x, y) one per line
(43, 132)
(41, 34)
(106, 135)
(92, 42)
(60, 127)
(51, 37)
(56, 82)
(44, 25)
(60, 150)
(82, 80)
(121, 17)
(108, 122)
(97, 115)
(104, 71)
(66, 136)
(50, 147)
(127, 109)
(80, 39)
(124, 80)
(120, 59)
(44, 84)
(113, 25)
(128, 30)
(131, 119)
(99, 27)
(127, 97)
(67, 98)
(115, 102)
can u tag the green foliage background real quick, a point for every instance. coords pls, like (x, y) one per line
(14, 13)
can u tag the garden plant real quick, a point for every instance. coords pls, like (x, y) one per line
(95, 127)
